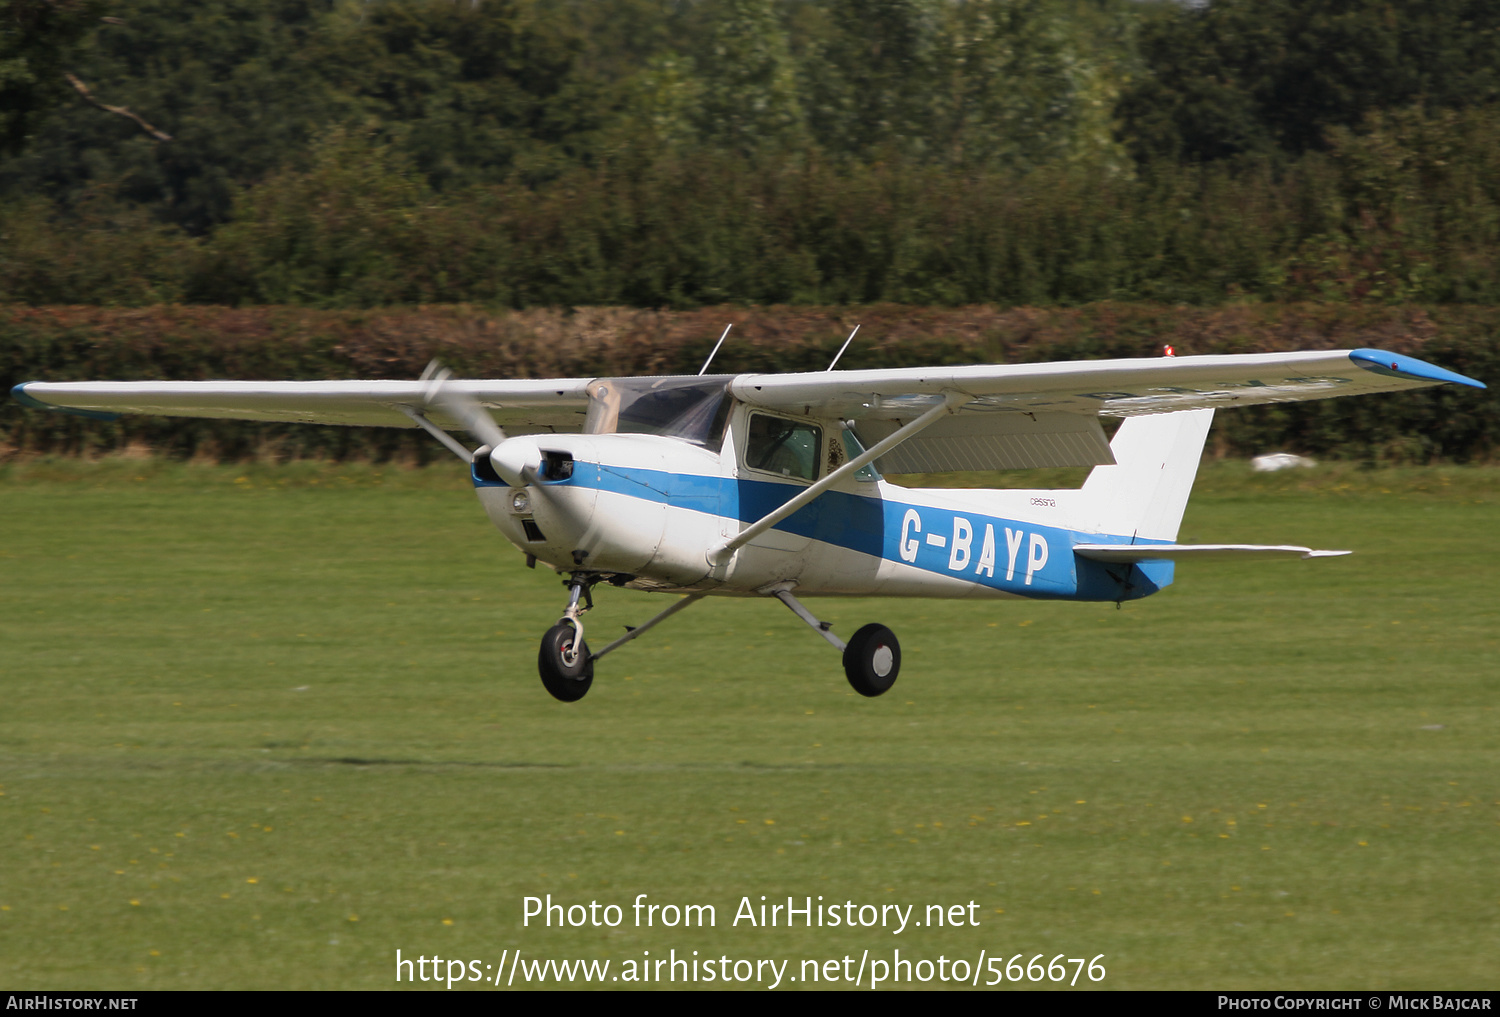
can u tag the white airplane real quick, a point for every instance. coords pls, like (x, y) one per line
(768, 485)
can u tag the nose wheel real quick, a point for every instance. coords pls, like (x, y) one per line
(566, 667)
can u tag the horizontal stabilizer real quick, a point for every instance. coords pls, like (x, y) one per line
(1195, 552)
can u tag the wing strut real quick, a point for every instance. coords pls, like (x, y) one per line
(721, 554)
(437, 432)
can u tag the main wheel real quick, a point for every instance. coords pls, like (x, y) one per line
(565, 673)
(872, 660)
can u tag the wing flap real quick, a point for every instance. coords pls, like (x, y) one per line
(1131, 553)
(993, 441)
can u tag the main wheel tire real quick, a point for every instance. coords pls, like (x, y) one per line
(872, 660)
(567, 682)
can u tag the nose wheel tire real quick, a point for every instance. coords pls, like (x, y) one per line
(566, 672)
(872, 660)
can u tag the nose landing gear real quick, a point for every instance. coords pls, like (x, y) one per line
(564, 662)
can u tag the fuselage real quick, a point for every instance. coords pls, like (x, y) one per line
(645, 509)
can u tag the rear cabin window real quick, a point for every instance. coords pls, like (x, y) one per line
(787, 448)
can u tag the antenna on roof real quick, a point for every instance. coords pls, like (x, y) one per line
(715, 350)
(842, 348)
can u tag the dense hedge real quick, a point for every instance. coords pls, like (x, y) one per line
(75, 343)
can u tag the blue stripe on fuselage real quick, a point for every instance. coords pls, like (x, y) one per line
(998, 553)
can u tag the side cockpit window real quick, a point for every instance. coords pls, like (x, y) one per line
(788, 448)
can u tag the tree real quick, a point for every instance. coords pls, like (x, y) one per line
(1239, 76)
(37, 40)
(751, 95)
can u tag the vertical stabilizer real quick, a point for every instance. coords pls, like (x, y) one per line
(1156, 457)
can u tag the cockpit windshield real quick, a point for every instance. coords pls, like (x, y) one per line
(693, 409)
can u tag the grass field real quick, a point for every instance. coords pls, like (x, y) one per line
(263, 726)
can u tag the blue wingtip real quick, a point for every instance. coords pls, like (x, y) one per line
(1396, 365)
(20, 395)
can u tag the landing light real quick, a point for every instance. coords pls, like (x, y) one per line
(520, 501)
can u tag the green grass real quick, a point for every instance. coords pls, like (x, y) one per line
(263, 726)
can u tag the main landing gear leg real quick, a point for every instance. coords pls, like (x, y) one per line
(872, 659)
(566, 667)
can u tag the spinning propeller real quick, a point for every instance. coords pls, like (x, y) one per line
(516, 460)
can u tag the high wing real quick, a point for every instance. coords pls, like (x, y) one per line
(521, 406)
(1005, 416)
(1032, 415)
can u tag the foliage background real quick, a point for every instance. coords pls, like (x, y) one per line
(327, 187)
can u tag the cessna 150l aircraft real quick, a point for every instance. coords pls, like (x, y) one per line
(769, 485)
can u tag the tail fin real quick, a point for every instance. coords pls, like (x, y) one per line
(1144, 494)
